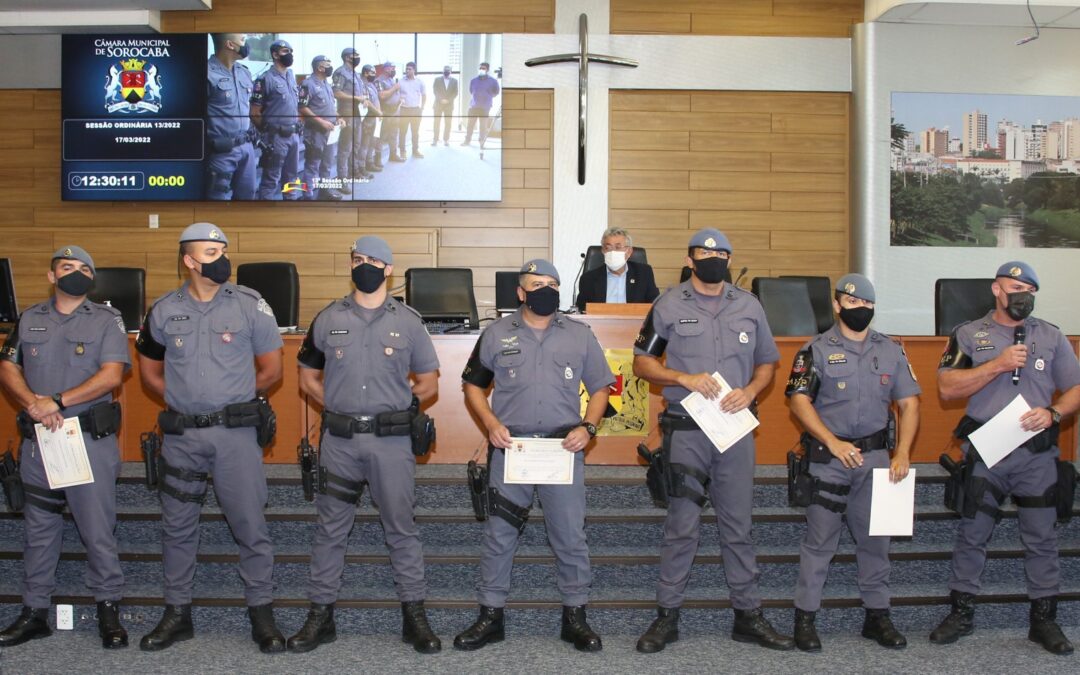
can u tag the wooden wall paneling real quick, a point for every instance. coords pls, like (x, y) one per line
(757, 165)
(804, 18)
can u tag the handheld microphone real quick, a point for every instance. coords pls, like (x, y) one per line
(1019, 335)
(742, 273)
(577, 291)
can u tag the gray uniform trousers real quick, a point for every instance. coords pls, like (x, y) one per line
(731, 491)
(564, 518)
(823, 535)
(235, 460)
(350, 149)
(93, 506)
(1029, 475)
(388, 465)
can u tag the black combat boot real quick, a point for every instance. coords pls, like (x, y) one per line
(806, 637)
(1044, 628)
(752, 626)
(488, 627)
(318, 629)
(415, 629)
(113, 635)
(663, 631)
(30, 625)
(576, 630)
(175, 626)
(264, 631)
(959, 622)
(878, 626)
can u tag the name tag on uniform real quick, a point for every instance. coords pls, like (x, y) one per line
(837, 358)
(691, 321)
(182, 317)
(340, 331)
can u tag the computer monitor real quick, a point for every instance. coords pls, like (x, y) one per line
(9, 309)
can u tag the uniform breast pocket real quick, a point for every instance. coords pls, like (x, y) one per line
(81, 352)
(688, 338)
(508, 369)
(839, 381)
(179, 340)
(395, 352)
(33, 345)
(230, 341)
(338, 345)
(885, 370)
(568, 369)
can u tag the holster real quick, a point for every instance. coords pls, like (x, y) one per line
(675, 474)
(267, 424)
(150, 442)
(656, 478)
(1066, 490)
(101, 420)
(477, 477)
(964, 491)
(800, 482)
(12, 482)
(25, 423)
(308, 458)
(422, 434)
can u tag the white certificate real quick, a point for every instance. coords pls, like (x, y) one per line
(63, 453)
(538, 461)
(1002, 433)
(892, 506)
(333, 136)
(723, 429)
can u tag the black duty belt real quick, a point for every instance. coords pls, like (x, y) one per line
(358, 424)
(1040, 442)
(203, 420)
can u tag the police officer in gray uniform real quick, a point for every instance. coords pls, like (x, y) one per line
(64, 359)
(274, 106)
(537, 359)
(355, 362)
(705, 325)
(231, 161)
(350, 94)
(842, 386)
(989, 361)
(370, 155)
(317, 107)
(208, 348)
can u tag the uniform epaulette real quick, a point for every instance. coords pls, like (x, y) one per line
(249, 291)
(402, 304)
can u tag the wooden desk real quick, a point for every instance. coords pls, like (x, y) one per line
(460, 436)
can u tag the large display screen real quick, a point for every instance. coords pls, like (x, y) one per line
(282, 117)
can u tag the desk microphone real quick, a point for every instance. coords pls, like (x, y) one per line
(577, 291)
(742, 273)
(1019, 334)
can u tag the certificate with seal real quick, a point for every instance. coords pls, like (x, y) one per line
(63, 453)
(723, 429)
(538, 461)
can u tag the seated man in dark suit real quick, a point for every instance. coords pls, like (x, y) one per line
(619, 280)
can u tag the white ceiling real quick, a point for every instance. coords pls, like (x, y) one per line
(36, 17)
(1048, 13)
(95, 5)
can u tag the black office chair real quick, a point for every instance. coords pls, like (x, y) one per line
(506, 285)
(125, 289)
(787, 305)
(442, 294)
(959, 300)
(594, 257)
(821, 296)
(279, 284)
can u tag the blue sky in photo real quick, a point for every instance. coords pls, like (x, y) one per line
(919, 110)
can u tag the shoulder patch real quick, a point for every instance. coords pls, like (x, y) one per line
(264, 307)
(120, 323)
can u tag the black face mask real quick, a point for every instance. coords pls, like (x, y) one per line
(857, 318)
(368, 278)
(326, 71)
(543, 301)
(1021, 305)
(217, 271)
(286, 60)
(75, 284)
(244, 50)
(711, 270)
(355, 61)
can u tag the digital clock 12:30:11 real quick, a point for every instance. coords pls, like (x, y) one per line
(106, 180)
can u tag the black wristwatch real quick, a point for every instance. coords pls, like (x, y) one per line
(590, 427)
(1054, 415)
(58, 399)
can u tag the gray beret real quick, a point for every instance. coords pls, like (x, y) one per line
(76, 253)
(857, 286)
(710, 238)
(374, 247)
(203, 232)
(1017, 269)
(541, 267)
